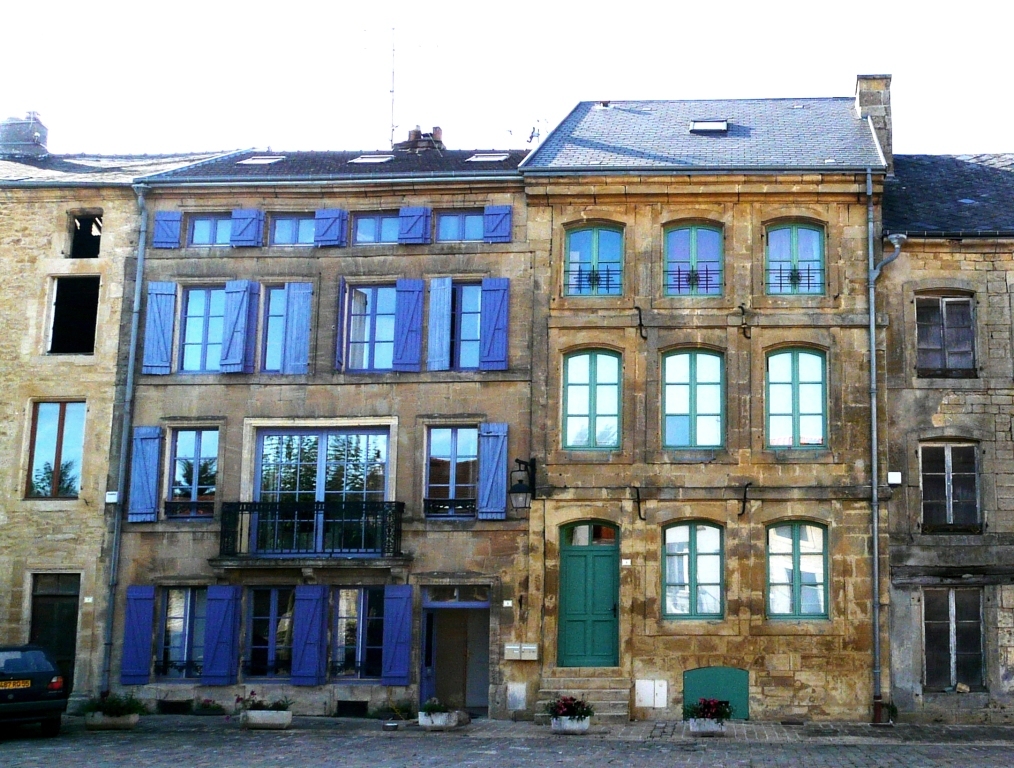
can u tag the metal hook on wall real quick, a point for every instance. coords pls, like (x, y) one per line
(637, 500)
(744, 326)
(742, 506)
(640, 324)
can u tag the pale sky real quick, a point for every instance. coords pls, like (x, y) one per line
(109, 76)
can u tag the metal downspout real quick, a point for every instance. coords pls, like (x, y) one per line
(873, 274)
(128, 407)
(874, 439)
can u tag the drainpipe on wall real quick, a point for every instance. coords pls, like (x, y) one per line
(873, 274)
(128, 407)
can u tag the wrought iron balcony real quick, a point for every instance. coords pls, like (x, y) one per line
(312, 529)
(449, 507)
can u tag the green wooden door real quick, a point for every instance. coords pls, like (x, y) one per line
(589, 596)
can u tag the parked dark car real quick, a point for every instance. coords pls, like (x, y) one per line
(31, 688)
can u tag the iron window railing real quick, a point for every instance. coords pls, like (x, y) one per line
(449, 507)
(186, 509)
(681, 280)
(322, 529)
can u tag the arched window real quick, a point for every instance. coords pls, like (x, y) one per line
(593, 262)
(693, 261)
(692, 400)
(797, 570)
(591, 392)
(797, 399)
(693, 571)
(795, 260)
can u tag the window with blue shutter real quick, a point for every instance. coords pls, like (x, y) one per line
(414, 225)
(309, 641)
(408, 320)
(240, 324)
(438, 347)
(138, 620)
(397, 652)
(493, 324)
(496, 224)
(158, 329)
(331, 227)
(339, 325)
(143, 507)
(492, 503)
(167, 229)
(221, 636)
(247, 228)
(298, 307)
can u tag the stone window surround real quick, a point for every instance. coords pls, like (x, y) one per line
(170, 425)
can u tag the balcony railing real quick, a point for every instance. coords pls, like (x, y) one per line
(312, 529)
(449, 507)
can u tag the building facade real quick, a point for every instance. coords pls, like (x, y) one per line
(703, 523)
(334, 375)
(949, 405)
(68, 232)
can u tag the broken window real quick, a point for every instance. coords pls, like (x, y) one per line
(74, 314)
(86, 232)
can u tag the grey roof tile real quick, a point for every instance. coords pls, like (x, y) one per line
(763, 133)
(98, 170)
(938, 194)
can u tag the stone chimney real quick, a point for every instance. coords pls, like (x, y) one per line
(873, 100)
(24, 137)
(419, 141)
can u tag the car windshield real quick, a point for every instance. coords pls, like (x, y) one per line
(13, 662)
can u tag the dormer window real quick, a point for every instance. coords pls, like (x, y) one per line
(710, 125)
(372, 159)
(487, 157)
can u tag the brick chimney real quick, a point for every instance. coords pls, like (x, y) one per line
(419, 141)
(873, 100)
(23, 137)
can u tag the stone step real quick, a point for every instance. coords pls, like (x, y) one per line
(585, 683)
(593, 695)
(600, 718)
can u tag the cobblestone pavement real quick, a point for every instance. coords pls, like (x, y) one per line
(217, 742)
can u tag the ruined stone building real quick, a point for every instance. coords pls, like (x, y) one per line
(68, 234)
(494, 426)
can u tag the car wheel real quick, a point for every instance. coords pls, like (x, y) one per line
(51, 727)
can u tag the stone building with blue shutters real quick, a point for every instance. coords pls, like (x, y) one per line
(334, 377)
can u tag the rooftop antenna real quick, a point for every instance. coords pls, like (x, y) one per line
(393, 126)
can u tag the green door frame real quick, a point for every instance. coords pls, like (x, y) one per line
(588, 629)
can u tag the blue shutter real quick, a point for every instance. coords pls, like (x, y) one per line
(414, 225)
(438, 348)
(167, 229)
(494, 314)
(309, 635)
(397, 651)
(221, 636)
(496, 224)
(330, 228)
(492, 502)
(158, 328)
(239, 335)
(135, 666)
(408, 316)
(247, 227)
(340, 323)
(296, 347)
(143, 507)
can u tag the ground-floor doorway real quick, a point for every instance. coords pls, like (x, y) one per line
(54, 618)
(455, 655)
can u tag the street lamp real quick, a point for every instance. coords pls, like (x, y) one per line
(522, 484)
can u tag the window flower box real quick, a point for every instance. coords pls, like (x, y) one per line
(706, 726)
(570, 724)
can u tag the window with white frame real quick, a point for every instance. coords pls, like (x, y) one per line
(952, 626)
(950, 495)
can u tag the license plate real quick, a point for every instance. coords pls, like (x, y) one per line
(7, 684)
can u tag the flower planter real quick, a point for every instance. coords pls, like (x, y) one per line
(438, 721)
(265, 720)
(706, 726)
(96, 721)
(570, 724)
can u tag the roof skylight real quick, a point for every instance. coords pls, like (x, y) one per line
(710, 125)
(372, 159)
(261, 160)
(487, 157)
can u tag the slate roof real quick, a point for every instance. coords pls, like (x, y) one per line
(323, 166)
(950, 194)
(778, 134)
(88, 170)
